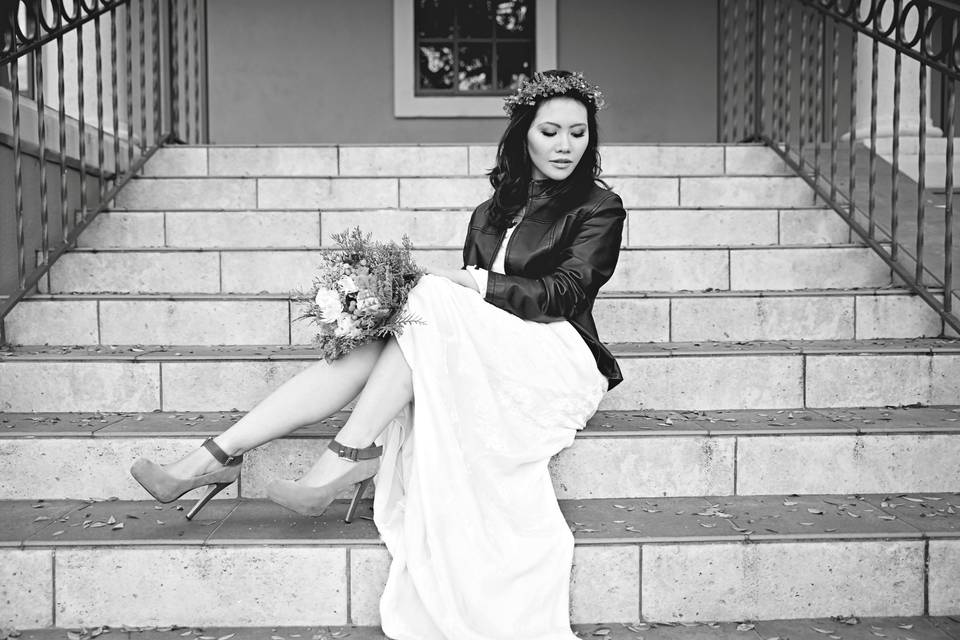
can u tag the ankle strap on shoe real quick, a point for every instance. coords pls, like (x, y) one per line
(352, 453)
(220, 455)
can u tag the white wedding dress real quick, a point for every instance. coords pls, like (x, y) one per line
(464, 499)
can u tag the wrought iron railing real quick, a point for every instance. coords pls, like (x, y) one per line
(89, 90)
(849, 93)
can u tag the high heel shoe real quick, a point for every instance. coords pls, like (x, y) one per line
(165, 487)
(313, 501)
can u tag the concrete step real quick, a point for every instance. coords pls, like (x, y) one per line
(913, 627)
(717, 375)
(657, 559)
(236, 319)
(444, 192)
(313, 229)
(446, 160)
(779, 268)
(620, 454)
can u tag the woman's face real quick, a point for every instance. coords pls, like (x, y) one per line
(557, 138)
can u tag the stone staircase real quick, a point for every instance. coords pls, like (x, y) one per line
(785, 443)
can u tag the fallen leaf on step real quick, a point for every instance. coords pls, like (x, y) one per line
(816, 511)
(745, 626)
(602, 631)
(819, 630)
(905, 626)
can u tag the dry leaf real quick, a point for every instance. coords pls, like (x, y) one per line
(111, 520)
(745, 626)
(708, 525)
(602, 631)
(816, 511)
(912, 499)
(905, 626)
(789, 503)
(119, 525)
(819, 630)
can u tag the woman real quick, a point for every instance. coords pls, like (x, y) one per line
(469, 406)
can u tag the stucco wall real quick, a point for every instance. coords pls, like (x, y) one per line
(322, 71)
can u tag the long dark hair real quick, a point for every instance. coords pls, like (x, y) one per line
(513, 172)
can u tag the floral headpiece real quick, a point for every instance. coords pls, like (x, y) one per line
(545, 86)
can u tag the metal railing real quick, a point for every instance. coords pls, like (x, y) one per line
(849, 94)
(89, 90)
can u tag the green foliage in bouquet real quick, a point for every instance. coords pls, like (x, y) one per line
(359, 293)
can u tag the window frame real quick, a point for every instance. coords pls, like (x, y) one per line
(406, 104)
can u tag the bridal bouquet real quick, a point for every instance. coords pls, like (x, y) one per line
(359, 293)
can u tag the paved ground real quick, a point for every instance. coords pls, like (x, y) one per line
(913, 628)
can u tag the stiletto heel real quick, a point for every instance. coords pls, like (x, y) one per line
(165, 487)
(212, 491)
(313, 501)
(361, 487)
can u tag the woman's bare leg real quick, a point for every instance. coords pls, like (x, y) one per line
(388, 390)
(309, 396)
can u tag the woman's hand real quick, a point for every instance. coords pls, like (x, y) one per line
(459, 276)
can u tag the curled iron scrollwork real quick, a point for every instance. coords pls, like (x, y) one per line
(27, 24)
(927, 30)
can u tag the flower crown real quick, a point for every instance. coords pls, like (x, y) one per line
(545, 86)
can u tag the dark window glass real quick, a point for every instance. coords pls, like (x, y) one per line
(475, 72)
(475, 19)
(513, 64)
(513, 20)
(473, 46)
(434, 19)
(436, 67)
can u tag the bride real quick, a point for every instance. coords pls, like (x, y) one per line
(457, 418)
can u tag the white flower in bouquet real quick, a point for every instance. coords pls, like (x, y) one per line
(329, 305)
(369, 303)
(347, 285)
(346, 326)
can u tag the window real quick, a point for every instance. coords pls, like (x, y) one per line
(457, 58)
(473, 46)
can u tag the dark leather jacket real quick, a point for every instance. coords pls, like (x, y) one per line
(557, 259)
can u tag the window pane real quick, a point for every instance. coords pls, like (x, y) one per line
(514, 63)
(515, 19)
(475, 73)
(475, 18)
(434, 18)
(436, 67)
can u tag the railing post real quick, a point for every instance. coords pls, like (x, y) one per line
(34, 226)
